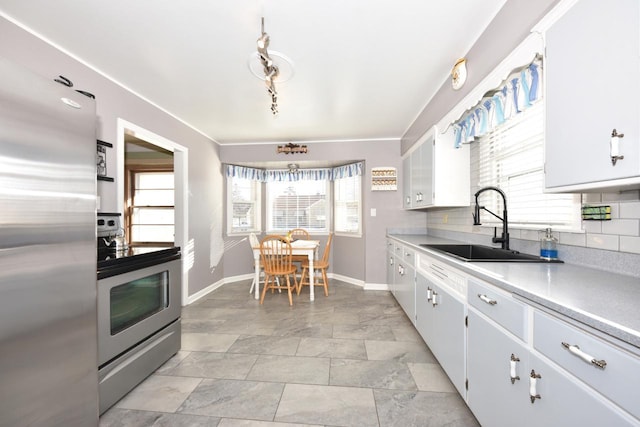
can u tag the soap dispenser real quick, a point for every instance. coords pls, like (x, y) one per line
(548, 246)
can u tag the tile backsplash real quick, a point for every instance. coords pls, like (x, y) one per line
(612, 245)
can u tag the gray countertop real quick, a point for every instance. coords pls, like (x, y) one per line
(605, 301)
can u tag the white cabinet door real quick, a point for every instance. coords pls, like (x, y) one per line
(561, 400)
(565, 402)
(592, 71)
(407, 195)
(493, 397)
(441, 323)
(422, 174)
(391, 271)
(438, 173)
(405, 288)
(425, 315)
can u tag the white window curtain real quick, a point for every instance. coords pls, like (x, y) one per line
(521, 90)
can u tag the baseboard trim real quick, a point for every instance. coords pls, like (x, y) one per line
(244, 277)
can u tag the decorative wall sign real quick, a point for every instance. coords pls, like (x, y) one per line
(292, 148)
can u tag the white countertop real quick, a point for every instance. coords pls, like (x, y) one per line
(605, 301)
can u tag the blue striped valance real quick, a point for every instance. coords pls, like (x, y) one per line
(234, 171)
(353, 169)
(517, 93)
(299, 175)
(271, 175)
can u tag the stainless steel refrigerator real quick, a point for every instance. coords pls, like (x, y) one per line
(48, 344)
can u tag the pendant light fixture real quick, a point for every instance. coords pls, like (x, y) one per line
(271, 70)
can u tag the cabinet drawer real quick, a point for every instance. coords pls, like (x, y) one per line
(499, 306)
(618, 379)
(405, 255)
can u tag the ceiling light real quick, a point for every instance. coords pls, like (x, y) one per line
(269, 68)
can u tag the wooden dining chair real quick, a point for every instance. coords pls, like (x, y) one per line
(321, 265)
(275, 254)
(298, 234)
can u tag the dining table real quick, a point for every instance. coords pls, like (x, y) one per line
(298, 247)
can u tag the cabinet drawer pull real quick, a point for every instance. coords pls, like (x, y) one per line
(575, 350)
(487, 299)
(533, 386)
(512, 368)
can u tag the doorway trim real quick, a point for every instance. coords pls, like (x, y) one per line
(180, 171)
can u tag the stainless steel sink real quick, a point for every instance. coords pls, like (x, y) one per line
(480, 253)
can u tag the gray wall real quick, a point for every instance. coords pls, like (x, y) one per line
(508, 29)
(357, 258)
(113, 102)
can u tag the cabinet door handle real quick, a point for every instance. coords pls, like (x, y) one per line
(434, 298)
(533, 386)
(512, 368)
(575, 350)
(429, 294)
(487, 299)
(614, 147)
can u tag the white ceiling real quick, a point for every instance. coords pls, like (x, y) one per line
(363, 69)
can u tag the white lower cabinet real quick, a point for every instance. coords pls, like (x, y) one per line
(514, 364)
(497, 394)
(404, 279)
(440, 320)
(391, 266)
(520, 379)
(612, 371)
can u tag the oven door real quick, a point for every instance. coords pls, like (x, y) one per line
(134, 305)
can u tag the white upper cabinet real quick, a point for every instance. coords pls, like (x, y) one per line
(592, 87)
(436, 174)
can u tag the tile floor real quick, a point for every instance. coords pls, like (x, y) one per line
(350, 359)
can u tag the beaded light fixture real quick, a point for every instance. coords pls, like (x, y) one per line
(271, 70)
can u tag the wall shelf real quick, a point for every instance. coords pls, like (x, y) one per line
(101, 160)
(384, 179)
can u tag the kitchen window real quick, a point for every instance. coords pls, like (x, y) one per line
(298, 204)
(511, 157)
(243, 205)
(347, 204)
(150, 207)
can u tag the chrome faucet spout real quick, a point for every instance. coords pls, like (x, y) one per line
(504, 239)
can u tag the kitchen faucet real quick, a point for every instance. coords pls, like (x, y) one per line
(504, 239)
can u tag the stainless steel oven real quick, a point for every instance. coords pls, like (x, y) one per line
(139, 310)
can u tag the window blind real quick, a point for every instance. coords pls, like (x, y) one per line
(346, 200)
(297, 204)
(511, 157)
